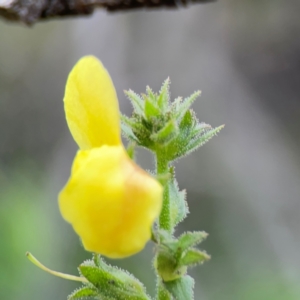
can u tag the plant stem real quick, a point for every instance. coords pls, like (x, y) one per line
(162, 168)
(164, 222)
(162, 294)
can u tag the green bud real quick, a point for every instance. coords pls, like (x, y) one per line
(167, 267)
(175, 255)
(171, 130)
(166, 134)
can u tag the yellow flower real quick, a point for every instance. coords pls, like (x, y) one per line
(109, 200)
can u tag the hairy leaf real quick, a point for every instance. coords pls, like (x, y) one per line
(127, 133)
(199, 141)
(83, 293)
(151, 110)
(185, 105)
(164, 95)
(112, 282)
(178, 206)
(182, 288)
(193, 257)
(136, 101)
(166, 134)
(190, 239)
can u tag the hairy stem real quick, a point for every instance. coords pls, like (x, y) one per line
(164, 222)
(162, 168)
(162, 294)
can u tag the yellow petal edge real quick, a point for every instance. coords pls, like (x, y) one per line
(91, 105)
(111, 202)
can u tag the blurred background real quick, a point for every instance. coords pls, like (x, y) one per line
(243, 186)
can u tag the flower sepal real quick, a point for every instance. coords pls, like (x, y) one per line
(107, 282)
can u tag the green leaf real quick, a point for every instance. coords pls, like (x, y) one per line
(188, 120)
(166, 134)
(190, 239)
(178, 206)
(151, 110)
(111, 282)
(185, 105)
(199, 129)
(193, 257)
(136, 100)
(127, 133)
(164, 95)
(199, 141)
(150, 94)
(96, 276)
(132, 123)
(187, 127)
(181, 289)
(83, 293)
(162, 292)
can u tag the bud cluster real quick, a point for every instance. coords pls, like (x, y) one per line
(168, 129)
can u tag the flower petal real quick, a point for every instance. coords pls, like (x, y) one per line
(110, 201)
(91, 105)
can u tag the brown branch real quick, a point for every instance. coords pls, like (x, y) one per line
(31, 11)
